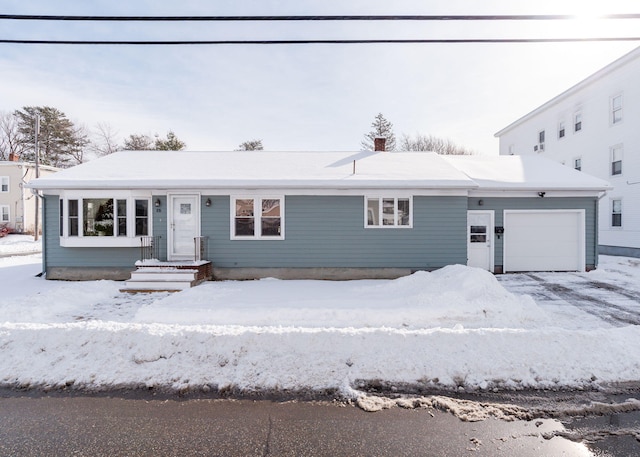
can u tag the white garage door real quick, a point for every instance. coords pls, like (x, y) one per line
(544, 240)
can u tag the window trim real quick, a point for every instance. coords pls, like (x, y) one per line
(380, 199)
(82, 240)
(613, 149)
(578, 120)
(562, 133)
(2, 221)
(613, 110)
(575, 160)
(257, 216)
(8, 181)
(613, 213)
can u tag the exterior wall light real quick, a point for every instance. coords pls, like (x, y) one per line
(157, 203)
(208, 202)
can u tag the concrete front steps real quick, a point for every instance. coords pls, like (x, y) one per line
(167, 276)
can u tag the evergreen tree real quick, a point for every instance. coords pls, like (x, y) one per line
(172, 143)
(252, 145)
(381, 128)
(60, 142)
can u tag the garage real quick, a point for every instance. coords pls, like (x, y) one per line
(544, 240)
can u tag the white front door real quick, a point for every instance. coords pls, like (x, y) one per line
(480, 239)
(184, 226)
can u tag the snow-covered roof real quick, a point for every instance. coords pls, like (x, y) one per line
(317, 170)
(524, 173)
(259, 169)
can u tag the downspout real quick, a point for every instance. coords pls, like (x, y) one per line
(44, 237)
(597, 219)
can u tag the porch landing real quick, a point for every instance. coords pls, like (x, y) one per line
(157, 276)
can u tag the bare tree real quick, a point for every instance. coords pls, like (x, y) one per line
(251, 145)
(11, 141)
(139, 142)
(105, 140)
(432, 143)
(381, 128)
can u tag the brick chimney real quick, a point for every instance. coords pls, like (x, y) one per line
(13, 157)
(379, 143)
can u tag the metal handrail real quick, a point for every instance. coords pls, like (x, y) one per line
(200, 248)
(150, 247)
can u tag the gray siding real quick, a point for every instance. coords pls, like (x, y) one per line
(320, 231)
(328, 231)
(589, 204)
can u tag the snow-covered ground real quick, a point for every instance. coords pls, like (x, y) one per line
(17, 244)
(457, 327)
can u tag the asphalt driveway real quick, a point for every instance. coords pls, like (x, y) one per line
(614, 299)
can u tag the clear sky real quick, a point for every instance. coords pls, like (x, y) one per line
(302, 97)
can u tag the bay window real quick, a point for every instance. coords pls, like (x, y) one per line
(103, 220)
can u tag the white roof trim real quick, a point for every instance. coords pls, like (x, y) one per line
(613, 66)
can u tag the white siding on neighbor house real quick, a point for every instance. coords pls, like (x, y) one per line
(614, 88)
(20, 201)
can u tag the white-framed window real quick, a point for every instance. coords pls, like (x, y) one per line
(577, 121)
(616, 109)
(104, 220)
(388, 212)
(616, 160)
(257, 217)
(561, 130)
(5, 216)
(616, 212)
(4, 184)
(577, 163)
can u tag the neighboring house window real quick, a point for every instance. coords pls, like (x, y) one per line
(124, 218)
(388, 212)
(4, 184)
(540, 140)
(616, 160)
(616, 213)
(577, 163)
(257, 218)
(616, 109)
(561, 129)
(4, 213)
(577, 122)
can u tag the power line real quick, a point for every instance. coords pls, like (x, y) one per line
(355, 41)
(394, 17)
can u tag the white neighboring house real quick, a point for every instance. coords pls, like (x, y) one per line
(17, 203)
(594, 127)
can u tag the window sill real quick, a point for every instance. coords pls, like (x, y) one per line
(100, 241)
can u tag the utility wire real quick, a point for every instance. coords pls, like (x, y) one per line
(285, 42)
(492, 17)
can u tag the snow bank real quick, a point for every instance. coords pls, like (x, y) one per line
(452, 296)
(453, 328)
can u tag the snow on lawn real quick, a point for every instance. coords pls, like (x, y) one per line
(12, 244)
(455, 327)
